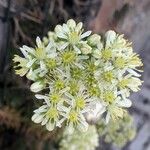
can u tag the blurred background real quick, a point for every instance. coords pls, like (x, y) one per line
(22, 20)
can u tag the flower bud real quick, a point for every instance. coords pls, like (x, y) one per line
(94, 39)
(110, 37)
(37, 86)
(86, 49)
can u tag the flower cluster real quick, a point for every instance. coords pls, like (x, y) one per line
(83, 141)
(81, 75)
(117, 133)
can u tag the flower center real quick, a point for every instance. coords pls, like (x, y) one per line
(51, 63)
(73, 38)
(94, 91)
(120, 62)
(76, 73)
(59, 84)
(80, 102)
(73, 87)
(90, 79)
(91, 67)
(52, 113)
(106, 54)
(123, 83)
(68, 57)
(109, 96)
(73, 116)
(55, 98)
(108, 76)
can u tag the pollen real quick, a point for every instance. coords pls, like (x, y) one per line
(91, 67)
(94, 91)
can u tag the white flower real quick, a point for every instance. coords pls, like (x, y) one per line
(72, 34)
(46, 115)
(75, 119)
(39, 54)
(110, 38)
(53, 98)
(94, 40)
(115, 110)
(69, 59)
(32, 75)
(128, 83)
(106, 77)
(81, 101)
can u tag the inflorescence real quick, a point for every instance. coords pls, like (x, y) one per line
(78, 70)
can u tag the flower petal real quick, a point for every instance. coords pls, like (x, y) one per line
(107, 117)
(124, 103)
(71, 23)
(28, 49)
(79, 27)
(39, 96)
(38, 42)
(37, 119)
(36, 87)
(50, 126)
(44, 121)
(86, 34)
(133, 72)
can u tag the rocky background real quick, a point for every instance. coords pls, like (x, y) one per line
(22, 20)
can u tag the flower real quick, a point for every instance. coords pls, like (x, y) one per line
(36, 57)
(106, 76)
(46, 115)
(128, 83)
(94, 40)
(71, 59)
(81, 75)
(74, 119)
(81, 100)
(54, 97)
(72, 34)
(115, 110)
(49, 114)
